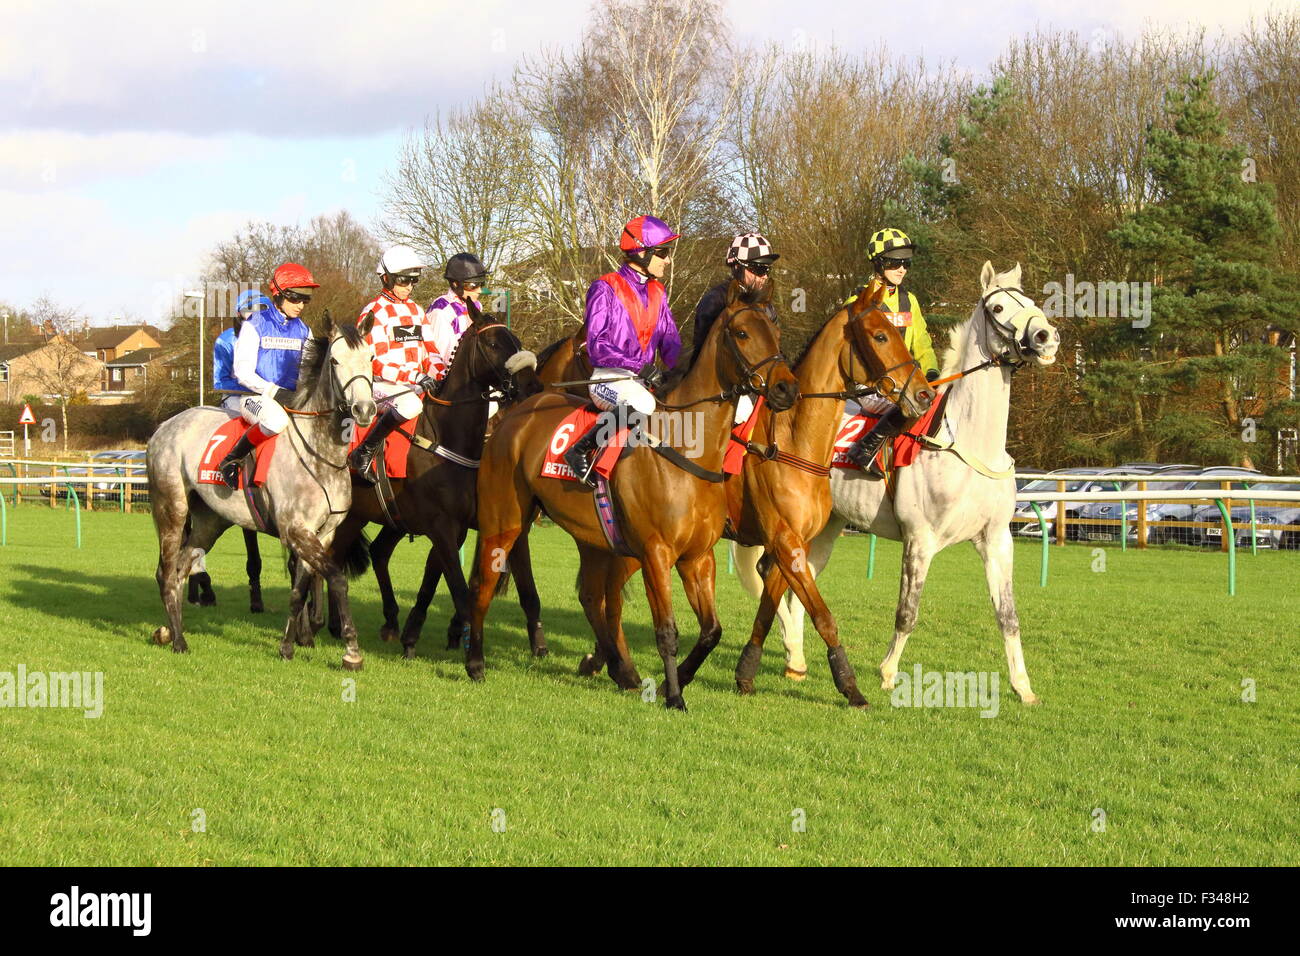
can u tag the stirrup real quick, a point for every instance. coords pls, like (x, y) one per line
(230, 473)
(584, 467)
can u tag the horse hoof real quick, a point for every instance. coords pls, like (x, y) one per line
(540, 651)
(180, 648)
(675, 703)
(587, 667)
(352, 664)
(409, 652)
(856, 699)
(744, 686)
(256, 607)
(307, 641)
(793, 674)
(162, 635)
(387, 633)
(475, 672)
(1031, 700)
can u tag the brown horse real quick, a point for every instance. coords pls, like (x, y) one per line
(565, 360)
(782, 499)
(669, 516)
(437, 498)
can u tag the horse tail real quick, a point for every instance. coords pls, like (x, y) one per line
(503, 582)
(357, 561)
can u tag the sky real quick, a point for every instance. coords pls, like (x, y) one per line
(137, 135)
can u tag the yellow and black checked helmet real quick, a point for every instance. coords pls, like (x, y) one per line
(893, 243)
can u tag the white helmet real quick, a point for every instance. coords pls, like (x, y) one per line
(397, 260)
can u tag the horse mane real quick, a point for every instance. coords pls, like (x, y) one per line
(545, 354)
(959, 337)
(314, 353)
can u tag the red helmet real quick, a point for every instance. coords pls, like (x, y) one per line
(292, 276)
(645, 232)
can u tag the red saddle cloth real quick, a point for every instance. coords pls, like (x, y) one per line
(576, 424)
(219, 445)
(397, 448)
(906, 446)
(734, 460)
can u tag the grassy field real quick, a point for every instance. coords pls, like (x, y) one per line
(1140, 668)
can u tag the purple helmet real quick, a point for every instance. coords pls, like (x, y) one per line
(645, 232)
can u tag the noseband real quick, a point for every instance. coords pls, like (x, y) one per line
(1020, 346)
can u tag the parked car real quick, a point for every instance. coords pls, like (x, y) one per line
(1111, 510)
(1277, 512)
(1159, 516)
(1023, 519)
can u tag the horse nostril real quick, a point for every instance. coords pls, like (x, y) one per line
(1041, 337)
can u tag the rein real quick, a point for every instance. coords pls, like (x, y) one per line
(753, 383)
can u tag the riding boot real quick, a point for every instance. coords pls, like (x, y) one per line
(581, 455)
(364, 454)
(229, 466)
(863, 452)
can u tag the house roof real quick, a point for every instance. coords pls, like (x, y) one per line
(10, 352)
(115, 335)
(138, 357)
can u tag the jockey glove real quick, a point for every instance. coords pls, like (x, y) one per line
(283, 396)
(652, 376)
(428, 383)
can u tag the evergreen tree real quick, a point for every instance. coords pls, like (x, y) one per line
(1184, 385)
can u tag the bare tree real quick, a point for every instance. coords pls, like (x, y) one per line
(62, 371)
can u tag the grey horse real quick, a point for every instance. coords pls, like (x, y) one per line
(308, 489)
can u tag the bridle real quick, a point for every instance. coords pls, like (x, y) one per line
(753, 380)
(1006, 330)
(506, 389)
(338, 394)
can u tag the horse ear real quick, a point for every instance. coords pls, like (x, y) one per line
(1015, 276)
(329, 325)
(475, 313)
(986, 277)
(733, 291)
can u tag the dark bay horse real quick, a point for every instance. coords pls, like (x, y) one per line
(669, 516)
(307, 490)
(438, 497)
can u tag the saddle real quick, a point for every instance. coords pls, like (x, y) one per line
(574, 426)
(219, 444)
(897, 453)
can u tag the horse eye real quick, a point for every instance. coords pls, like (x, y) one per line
(741, 334)
(882, 337)
(997, 308)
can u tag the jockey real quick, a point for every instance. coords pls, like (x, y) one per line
(449, 314)
(223, 350)
(750, 258)
(407, 363)
(267, 353)
(628, 321)
(891, 254)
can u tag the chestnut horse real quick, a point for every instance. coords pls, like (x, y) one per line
(669, 516)
(783, 495)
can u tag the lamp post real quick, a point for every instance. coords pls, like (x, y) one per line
(202, 303)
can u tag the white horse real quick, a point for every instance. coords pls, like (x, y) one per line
(959, 489)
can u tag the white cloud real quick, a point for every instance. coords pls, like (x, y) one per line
(39, 159)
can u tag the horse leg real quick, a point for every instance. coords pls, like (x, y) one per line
(656, 570)
(751, 655)
(621, 669)
(313, 616)
(314, 556)
(698, 577)
(170, 510)
(995, 548)
(491, 566)
(918, 552)
(381, 550)
(790, 613)
(420, 609)
(300, 584)
(521, 569)
(591, 595)
(253, 565)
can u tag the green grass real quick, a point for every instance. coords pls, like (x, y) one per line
(1140, 669)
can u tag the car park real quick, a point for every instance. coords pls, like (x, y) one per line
(1266, 513)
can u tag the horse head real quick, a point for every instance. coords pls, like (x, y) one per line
(753, 342)
(499, 361)
(351, 361)
(1018, 329)
(876, 342)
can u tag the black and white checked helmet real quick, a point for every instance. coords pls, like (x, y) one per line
(750, 247)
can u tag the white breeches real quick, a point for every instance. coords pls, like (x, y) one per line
(266, 413)
(875, 405)
(401, 398)
(627, 391)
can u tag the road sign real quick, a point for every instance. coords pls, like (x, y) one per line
(27, 418)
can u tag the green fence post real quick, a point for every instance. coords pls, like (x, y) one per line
(871, 557)
(4, 520)
(1232, 547)
(1042, 526)
(74, 502)
(14, 472)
